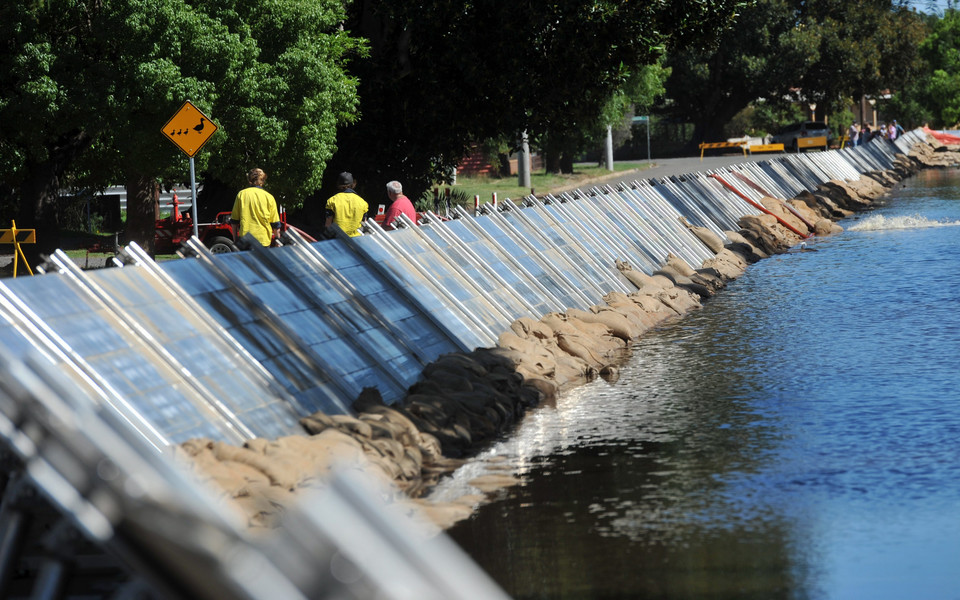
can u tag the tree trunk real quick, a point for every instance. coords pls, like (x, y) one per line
(143, 194)
(503, 164)
(551, 160)
(40, 193)
(566, 163)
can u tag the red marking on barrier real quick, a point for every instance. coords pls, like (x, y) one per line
(786, 204)
(760, 207)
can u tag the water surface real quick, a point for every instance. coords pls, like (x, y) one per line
(795, 438)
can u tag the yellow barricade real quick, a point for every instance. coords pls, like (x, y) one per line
(16, 237)
(713, 145)
(766, 148)
(812, 142)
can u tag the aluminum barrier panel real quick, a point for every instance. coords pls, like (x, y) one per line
(420, 285)
(242, 345)
(503, 285)
(452, 278)
(143, 382)
(111, 486)
(291, 310)
(536, 267)
(578, 252)
(513, 222)
(384, 306)
(577, 209)
(275, 344)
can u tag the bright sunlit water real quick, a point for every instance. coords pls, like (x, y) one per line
(798, 437)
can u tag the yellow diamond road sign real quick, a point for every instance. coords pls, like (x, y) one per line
(189, 129)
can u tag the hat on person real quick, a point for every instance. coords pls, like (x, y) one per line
(345, 179)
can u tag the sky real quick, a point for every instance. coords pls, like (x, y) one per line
(930, 6)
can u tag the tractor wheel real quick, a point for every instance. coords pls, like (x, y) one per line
(220, 245)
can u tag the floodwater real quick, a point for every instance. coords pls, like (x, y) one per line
(798, 437)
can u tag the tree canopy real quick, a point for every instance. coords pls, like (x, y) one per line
(442, 74)
(782, 51)
(934, 95)
(87, 85)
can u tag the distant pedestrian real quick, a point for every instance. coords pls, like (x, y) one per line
(899, 128)
(854, 134)
(892, 131)
(399, 204)
(346, 209)
(865, 134)
(255, 210)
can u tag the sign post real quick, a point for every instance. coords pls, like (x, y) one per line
(189, 129)
(644, 119)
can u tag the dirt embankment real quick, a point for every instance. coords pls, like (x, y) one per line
(464, 401)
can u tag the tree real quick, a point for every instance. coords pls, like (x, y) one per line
(443, 74)
(783, 51)
(637, 97)
(934, 96)
(763, 56)
(865, 47)
(88, 84)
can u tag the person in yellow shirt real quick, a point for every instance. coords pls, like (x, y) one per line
(346, 209)
(255, 210)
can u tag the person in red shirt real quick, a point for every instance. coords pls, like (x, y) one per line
(399, 204)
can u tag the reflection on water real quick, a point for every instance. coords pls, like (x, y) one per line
(796, 438)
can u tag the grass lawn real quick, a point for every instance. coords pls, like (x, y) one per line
(542, 183)
(82, 254)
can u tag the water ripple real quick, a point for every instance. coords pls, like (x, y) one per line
(797, 437)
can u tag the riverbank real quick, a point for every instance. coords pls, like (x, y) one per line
(464, 401)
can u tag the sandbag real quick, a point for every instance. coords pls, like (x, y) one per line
(616, 323)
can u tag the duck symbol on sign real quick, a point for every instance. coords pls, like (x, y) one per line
(189, 129)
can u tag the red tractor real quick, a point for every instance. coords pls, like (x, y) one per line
(219, 236)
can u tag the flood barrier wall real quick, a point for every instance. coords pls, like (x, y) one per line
(103, 370)
(242, 345)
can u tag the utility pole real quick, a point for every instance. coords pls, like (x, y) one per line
(609, 153)
(523, 162)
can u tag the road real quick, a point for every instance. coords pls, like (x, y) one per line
(667, 167)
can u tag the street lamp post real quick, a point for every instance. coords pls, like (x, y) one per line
(813, 111)
(873, 105)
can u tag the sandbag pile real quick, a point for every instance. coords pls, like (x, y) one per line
(934, 154)
(463, 401)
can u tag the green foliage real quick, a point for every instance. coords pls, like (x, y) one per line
(637, 95)
(934, 96)
(865, 47)
(762, 118)
(840, 121)
(436, 199)
(762, 56)
(443, 74)
(786, 51)
(86, 87)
